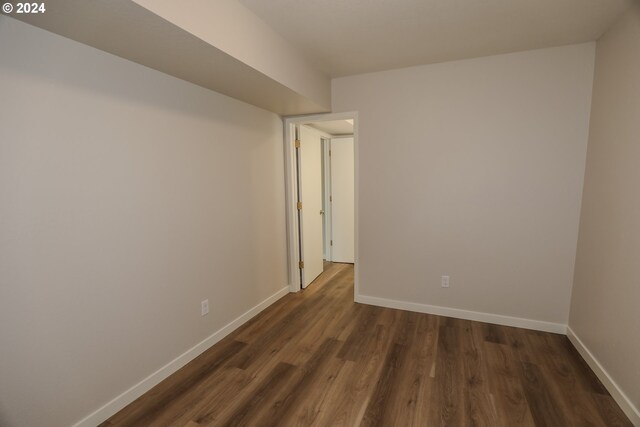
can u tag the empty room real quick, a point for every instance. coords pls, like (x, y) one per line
(320, 213)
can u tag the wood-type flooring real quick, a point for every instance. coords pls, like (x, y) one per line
(316, 358)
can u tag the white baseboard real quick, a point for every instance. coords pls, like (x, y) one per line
(498, 319)
(152, 380)
(616, 392)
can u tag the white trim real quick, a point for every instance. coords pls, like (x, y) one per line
(291, 191)
(498, 319)
(152, 380)
(616, 392)
(356, 189)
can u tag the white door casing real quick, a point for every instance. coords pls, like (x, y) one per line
(292, 186)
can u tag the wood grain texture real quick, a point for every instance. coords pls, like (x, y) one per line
(316, 358)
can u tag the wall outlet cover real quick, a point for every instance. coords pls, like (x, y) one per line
(204, 307)
(445, 281)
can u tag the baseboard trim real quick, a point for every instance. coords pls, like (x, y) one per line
(498, 319)
(152, 380)
(616, 392)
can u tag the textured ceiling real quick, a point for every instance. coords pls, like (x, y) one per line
(344, 37)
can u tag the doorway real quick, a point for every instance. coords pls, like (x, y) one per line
(321, 177)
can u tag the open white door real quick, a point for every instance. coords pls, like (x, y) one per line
(342, 199)
(310, 153)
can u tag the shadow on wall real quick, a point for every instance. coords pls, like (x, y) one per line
(89, 76)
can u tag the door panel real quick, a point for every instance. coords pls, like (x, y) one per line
(310, 153)
(343, 199)
(326, 192)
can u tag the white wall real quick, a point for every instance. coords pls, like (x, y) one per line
(606, 291)
(126, 197)
(473, 169)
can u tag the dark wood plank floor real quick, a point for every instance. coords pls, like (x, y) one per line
(317, 358)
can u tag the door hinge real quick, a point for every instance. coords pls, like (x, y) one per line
(331, 243)
(331, 198)
(297, 143)
(301, 265)
(299, 205)
(329, 153)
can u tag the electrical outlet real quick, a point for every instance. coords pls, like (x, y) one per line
(204, 307)
(445, 281)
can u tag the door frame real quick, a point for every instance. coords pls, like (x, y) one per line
(291, 192)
